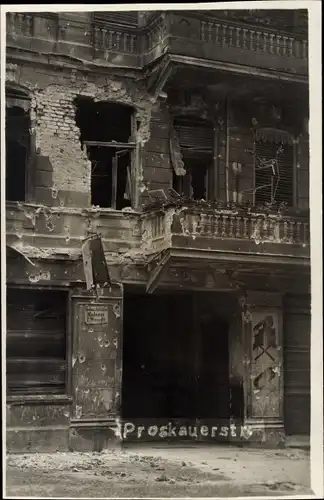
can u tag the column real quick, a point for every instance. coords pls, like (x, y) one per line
(96, 369)
(261, 329)
(75, 34)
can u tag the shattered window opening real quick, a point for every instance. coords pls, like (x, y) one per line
(17, 144)
(195, 139)
(107, 132)
(36, 341)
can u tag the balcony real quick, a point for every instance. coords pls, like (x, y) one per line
(182, 35)
(183, 237)
(38, 231)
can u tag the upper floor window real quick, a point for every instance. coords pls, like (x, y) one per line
(36, 341)
(274, 168)
(17, 144)
(107, 131)
(193, 137)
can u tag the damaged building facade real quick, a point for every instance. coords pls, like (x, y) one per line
(180, 139)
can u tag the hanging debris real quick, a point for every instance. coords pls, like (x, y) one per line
(94, 264)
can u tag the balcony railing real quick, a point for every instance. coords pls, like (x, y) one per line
(206, 228)
(257, 227)
(261, 41)
(110, 39)
(20, 24)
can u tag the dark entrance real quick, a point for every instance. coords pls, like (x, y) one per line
(175, 360)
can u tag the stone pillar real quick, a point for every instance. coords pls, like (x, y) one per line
(74, 34)
(261, 327)
(96, 369)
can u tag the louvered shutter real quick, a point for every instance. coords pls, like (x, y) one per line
(283, 184)
(127, 18)
(194, 140)
(36, 341)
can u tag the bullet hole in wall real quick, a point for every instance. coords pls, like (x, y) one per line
(17, 144)
(106, 130)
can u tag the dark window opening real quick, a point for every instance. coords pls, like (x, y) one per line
(106, 130)
(196, 146)
(36, 341)
(274, 173)
(17, 146)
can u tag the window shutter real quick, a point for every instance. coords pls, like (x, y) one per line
(127, 18)
(36, 341)
(194, 140)
(284, 178)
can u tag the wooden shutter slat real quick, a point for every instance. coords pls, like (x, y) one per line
(36, 341)
(19, 346)
(194, 141)
(194, 137)
(45, 365)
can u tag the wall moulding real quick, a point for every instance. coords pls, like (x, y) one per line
(273, 135)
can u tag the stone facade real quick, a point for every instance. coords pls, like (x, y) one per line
(225, 245)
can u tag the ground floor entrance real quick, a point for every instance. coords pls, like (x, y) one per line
(172, 365)
(176, 361)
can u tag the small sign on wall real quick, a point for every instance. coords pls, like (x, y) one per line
(96, 315)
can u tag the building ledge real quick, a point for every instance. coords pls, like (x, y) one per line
(28, 399)
(194, 269)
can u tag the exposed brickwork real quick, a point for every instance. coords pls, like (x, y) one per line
(157, 169)
(57, 137)
(61, 166)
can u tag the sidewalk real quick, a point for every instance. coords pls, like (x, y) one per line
(301, 442)
(160, 470)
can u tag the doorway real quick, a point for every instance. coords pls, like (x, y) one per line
(175, 360)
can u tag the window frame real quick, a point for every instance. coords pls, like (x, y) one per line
(294, 142)
(132, 146)
(66, 395)
(212, 171)
(13, 91)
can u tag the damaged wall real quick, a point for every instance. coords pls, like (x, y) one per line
(62, 168)
(261, 327)
(157, 170)
(50, 235)
(42, 232)
(45, 422)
